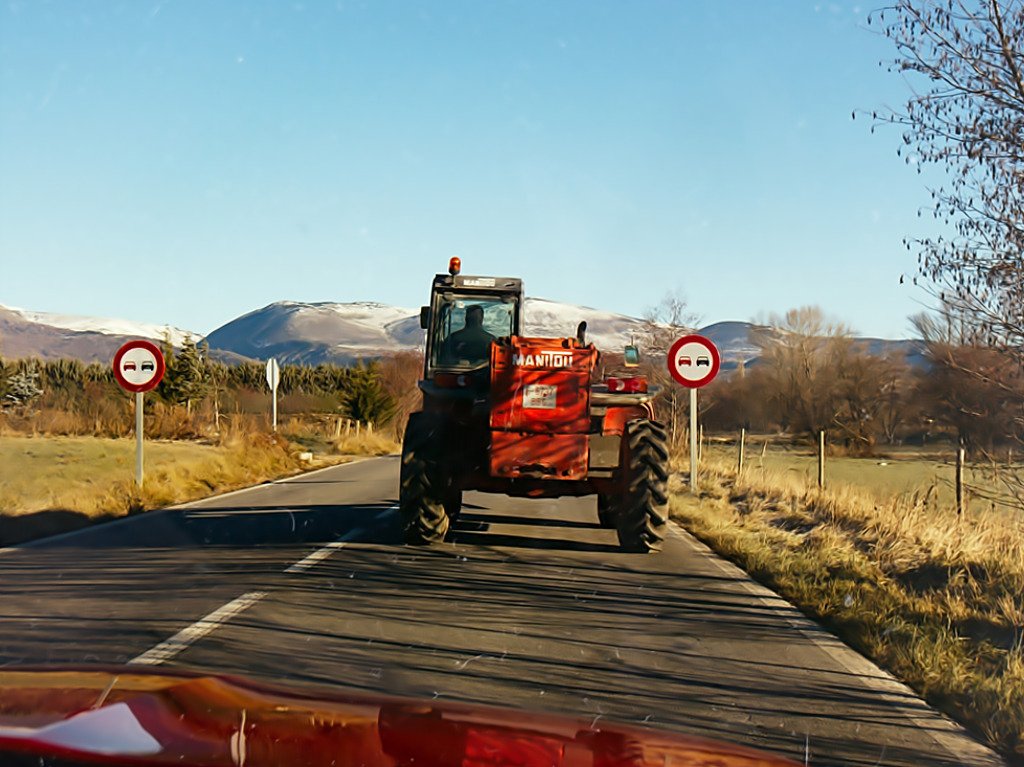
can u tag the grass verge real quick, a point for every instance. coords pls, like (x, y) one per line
(936, 599)
(51, 485)
(899, 470)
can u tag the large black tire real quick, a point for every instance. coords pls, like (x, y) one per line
(606, 510)
(643, 514)
(422, 483)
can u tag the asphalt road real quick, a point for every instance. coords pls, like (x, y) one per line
(528, 604)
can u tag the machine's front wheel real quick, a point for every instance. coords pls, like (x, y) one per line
(642, 518)
(421, 502)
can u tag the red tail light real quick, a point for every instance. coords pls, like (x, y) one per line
(631, 385)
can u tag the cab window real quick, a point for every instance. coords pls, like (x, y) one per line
(465, 328)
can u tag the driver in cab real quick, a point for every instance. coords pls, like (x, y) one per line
(472, 343)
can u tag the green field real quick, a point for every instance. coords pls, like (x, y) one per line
(61, 472)
(50, 485)
(899, 472)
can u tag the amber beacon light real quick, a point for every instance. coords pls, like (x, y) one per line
(454, 266)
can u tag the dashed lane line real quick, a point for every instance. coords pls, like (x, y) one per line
(322, 553)
(193, 633)
(316, 556)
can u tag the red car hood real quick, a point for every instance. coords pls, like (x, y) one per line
(131, 716)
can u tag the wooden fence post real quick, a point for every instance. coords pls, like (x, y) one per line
(960, 480)
(743, 439)
(821, 459)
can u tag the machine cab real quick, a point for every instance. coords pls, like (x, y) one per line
(465, 315)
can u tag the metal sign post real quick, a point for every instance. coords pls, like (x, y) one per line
(693, 361)
(273, 379)
(138, 438)
(693, 439)
(138, 367)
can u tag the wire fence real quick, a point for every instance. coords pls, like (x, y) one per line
(930, 472)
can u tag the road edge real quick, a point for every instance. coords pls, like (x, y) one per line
(106, 524)
(952, 737)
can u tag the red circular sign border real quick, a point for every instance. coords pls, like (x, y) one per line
(716, 361)
(161, 366)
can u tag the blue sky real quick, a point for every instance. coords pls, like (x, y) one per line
(186, 162)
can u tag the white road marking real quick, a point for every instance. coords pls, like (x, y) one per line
(191, 634)
(322, 553)
(316, 556)
(226, 513)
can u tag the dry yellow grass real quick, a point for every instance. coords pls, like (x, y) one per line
(898, 471)
(366, 444)
(935, 598)
(54, 484)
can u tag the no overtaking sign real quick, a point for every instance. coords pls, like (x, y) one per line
(693, 361)
(139, 367)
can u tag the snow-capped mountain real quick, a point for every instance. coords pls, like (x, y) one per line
(57, 336)
(734, 340)
(551, 319)
(309, 333)
(104, 325)
(342, 333)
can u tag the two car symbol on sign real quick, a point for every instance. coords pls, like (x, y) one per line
(701, 361)
(129, 365)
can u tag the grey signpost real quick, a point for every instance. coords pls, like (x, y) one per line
(693, 361)
(273, 379)
(138, 367)
(139, 411)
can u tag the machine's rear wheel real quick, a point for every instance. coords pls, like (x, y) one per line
(421, 491)
(643, 515)
(606, 510)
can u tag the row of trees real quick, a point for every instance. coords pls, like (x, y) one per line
(371, 393)
(964, 116)
(811, 374)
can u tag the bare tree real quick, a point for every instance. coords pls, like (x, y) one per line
(663, 324)
(399, 374)
(973, 388)
(897, 406)
(965, 59)
(801, 352)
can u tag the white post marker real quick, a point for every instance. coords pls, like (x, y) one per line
(138, 367)
(139, 413)
(273, 379)
(693, 361)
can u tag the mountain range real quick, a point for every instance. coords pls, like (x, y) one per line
(342, 333)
